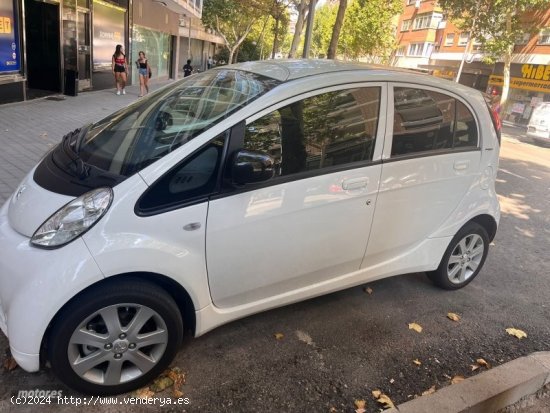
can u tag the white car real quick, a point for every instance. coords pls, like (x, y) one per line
(539, 123)
(234, 191)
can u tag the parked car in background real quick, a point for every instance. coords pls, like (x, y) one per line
(539, 123)
(233, 191)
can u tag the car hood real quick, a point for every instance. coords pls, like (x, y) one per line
(31, 205)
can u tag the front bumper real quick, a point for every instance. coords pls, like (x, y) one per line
(34, 285)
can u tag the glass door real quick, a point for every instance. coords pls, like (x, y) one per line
(84, 49)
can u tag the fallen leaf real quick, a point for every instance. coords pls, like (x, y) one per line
(431, 390)
(453, 316)
(10, 364)
(392, 381)
(386, 401)
(417, 362)
(333, 410)
(516, 332)
(178, 378)
(457, 379)
(279, 336)
(368, 290)
(177, 393)
(415, 327)
(161, 383)
(376, 394)
(483, 363)
(360, 404)
(474, 367)
(144, 393)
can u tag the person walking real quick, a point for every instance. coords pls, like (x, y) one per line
(210, 62)
(120, 69)
(187, 68)
(144, 73)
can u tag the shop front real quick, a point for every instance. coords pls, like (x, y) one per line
(529, 85)
(12, 83)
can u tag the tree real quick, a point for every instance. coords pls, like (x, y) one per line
(233, 19)
(302, 8)
(496, 25)
(337, 28)
(325, 16)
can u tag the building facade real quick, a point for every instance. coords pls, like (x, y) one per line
(65, 46)
(428, 42)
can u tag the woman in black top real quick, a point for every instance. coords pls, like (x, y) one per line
(144, 73)
(120, 69)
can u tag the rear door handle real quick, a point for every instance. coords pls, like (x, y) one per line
(461, 165)
(355, 183)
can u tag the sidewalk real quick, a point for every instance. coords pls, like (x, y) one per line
(28, 129)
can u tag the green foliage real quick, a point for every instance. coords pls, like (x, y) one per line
(367, 28)
(495, 23)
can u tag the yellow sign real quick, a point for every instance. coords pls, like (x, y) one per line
(520, 83)
(537, 72)
(447, 74)
(5, 25)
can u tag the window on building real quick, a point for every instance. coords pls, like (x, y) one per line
(449, 39)
(420, 49)
(406, 25)
(523, 38)
(544, 36)
(400, 51)
(330, 129)
(429, 121)
(463, 38)
(427, 21)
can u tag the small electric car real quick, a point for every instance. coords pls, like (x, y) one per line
(233, 191)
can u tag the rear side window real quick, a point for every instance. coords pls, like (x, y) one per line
(430, 121)
(330, 129)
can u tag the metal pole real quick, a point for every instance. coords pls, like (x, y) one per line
(309, 29)
(189, 40)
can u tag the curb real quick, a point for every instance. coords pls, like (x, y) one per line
(486, 392)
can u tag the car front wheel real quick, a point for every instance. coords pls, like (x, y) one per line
(115, 337)
(463, 259)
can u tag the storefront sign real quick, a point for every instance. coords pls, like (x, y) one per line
(9, 41)
(446, 74)
(521, 83)
(109, 29)
(538, 72)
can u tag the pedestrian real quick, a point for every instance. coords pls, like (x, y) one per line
(120, 69)
(210, 62)
(144, 73)
(187, 68)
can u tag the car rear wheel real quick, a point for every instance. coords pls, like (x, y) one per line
(463, 259)
(115, 337)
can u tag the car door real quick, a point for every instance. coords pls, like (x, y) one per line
(309, 223)
(431, 159)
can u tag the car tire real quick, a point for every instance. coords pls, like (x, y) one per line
(115, 337)
(463, 258)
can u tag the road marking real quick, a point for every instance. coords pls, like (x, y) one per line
(511, 173)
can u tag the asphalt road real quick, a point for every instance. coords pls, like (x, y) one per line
(341, 347)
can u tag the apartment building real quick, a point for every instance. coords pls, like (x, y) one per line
(428, 42)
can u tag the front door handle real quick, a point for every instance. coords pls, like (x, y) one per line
(355, 183)
(461, 165)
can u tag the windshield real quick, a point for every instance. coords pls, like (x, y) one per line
(138, 135)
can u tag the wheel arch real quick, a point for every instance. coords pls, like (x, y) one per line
(171, 287)
(487, 222)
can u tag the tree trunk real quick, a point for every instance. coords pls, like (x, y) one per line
(298, 28)
(231, 53)
(276, 39)
(507, 63)
(331, 53)
(506, 75)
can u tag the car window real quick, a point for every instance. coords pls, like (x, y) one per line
(329, 129)
(425, 120)
(194, 178)
(136, 136)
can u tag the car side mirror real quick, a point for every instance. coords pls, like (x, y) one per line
(250, 167)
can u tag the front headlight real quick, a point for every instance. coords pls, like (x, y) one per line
(74, 219)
